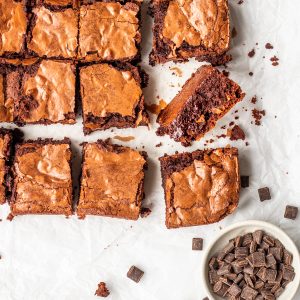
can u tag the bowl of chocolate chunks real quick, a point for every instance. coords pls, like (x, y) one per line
(251, 260)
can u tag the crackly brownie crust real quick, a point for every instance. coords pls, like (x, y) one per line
(103, 109)
(119, 22)
(200, 187)
(112, 181)
(42, 181)
(206, 97)
(185, 29)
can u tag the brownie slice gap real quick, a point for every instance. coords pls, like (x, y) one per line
(185, 29)
(195, 194)
(119, 25)
(42, 181)
(112, 96)
(205, 98)
(112, 181)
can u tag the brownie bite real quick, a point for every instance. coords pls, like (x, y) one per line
(185, 29)
(111, 97)
(5, 152)
(200, 187)
(112, 181)
(42, 178)
(13, 25)
(206, 97)
(42, 92)
(53, 33)
(109, 31)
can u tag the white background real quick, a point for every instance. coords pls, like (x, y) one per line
(51, 257)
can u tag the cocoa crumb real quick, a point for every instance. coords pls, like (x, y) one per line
(251, 53)
(145, 212)
(254, 100)
(222, 136)
(10, 217)
(102, 290)
(158, 145)
(257, 115)
(269, 46)
(223, 127)
(274, 60)
(231, 123)
(250, 73)
(236, 133)
(236, 118)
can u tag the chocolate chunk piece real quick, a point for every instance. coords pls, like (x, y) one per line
(234, 290)
(197, 244)
(220, 288)
(229, 258)
(262, 274)
(135, 274)
(271, 275)
(270, 260)
(224, 270)
(241, 252)
(291, 212)
(277, 253)
(287, 257)
(229, 247)
(288, 273)
(264, 194)
(213, 264)
(102, 290)
(269, 240)
(244, 181)
(258, 259)
(248, 293)
(213, 277)
(239, 278)
(257, 236)
(247, 239)
(238, 241)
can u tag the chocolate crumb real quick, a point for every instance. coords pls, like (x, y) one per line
(135, 274)
(102, 290)
(158, 145)
(250, 73)
(254, 100)
(251, 53)
(269, 46)
(10, 217)
(274, 60)
(257, 115)
(145, 212)
(241, 2)
(236, 133)
(225, 73)
(231, 123)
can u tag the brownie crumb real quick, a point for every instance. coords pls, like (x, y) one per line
(102, 290)
(233, 33)
(257, 115)
(274, 60)
(124, 138)
(236, 118)
(236, 133)
(241, 2)
(10, 217)
(251, 53)
(269, 46)
(176, 71)
(250, 73)
(156, 108)
(223, 127)
(254, 100)
(145, 212)
(225, 73)
(222, 136)
(231, 123)
(158, 145)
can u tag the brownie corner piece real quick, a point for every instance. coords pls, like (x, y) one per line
(185, 29)
(119, 23)
(205, 98)
(42, 181)
(112, 96)
(195, 194)
(112, 181)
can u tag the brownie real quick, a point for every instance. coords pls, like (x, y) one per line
(40, 92)
(111, 97)
(109, 31)
(112, 181)
(13, 25)
(206, 97)
(200, 187)
(56, 4)
(185, 29)
(6, 137)
(53, 33)
(42, 178)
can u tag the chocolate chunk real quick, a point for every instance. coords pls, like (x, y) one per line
(238, 241)
(102, 290)
(270, 260)
(213, 277)
(249, 270)
(221, 255)
(248, 280)
(287, 257)
(234, 290)
(267, 295)
(229, 247)
(241, 252)
(224, 270)
(135, 274)
(247, 239)
(288, 273)
(257, 236)
(259, 284)
(291, 212)
(248, 293)
(269, 240)
(197, 244)
(258, 259)
(220, 288)
(253, 246)
(231, 276)
(279, 292)
(264, 194)
(271, 275)
(229, 258)
(236, 267)
(213, 264)
(244, 181)
(277, 253)
(239, 278)
(262, 274)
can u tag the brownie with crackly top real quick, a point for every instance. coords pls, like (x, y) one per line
(193, 28)
(206, 97)
(201, 187)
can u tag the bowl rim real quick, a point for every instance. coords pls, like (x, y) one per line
(265, 225)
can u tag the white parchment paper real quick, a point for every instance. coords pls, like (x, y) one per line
(51, 257)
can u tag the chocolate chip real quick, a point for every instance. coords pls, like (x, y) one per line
(271, 275)
(197, 244)
(291, 212)
(135, 274)
(264, 194)
(262, 274)
(244, 181)
(269, 240)
(288, 273)
(229, 247)
(270, 260)
(247, 239)
(258, 259)
(277, 253)
(287, 257)
(241, 252)
(213, 277)
(229, 258)
(224, 270)
(248, 293)
(257, 236)
(213, 264)
(234, 290)
(238, 241)
(239, 278)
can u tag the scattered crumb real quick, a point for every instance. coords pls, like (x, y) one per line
(241, 2)
(10, 217)
(233, 32)
(158, 145)
(251, 53)
(254, 100)
(124, 138)
(231, 123)
(157, 97)
(250, 73)
(247, 144)
(156, 108)
(236, 118)
(225, 73)
(145, 212)
(236, 111)
(222, 136)
(257, 115)
(236, 133)
(269, 46)
(223, 127)
(274, 60)
(177, 71)
(102, 290)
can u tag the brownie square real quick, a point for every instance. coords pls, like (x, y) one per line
(53, 33)
(200, 187)
(5, 155)
(185, 29)
(109, 31)
(111, 97)
(205, 98)
(42, 178)
(112, 181)
(13, 25)
(42, 92)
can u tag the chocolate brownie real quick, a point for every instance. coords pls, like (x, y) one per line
(200, 187)
(39, 92)
(206, 97)
(13, 25)
(194, 28)
(111, 97)
(42, 178)
(5, 155)
(53, 33)
(109, 31)
(112, 181)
